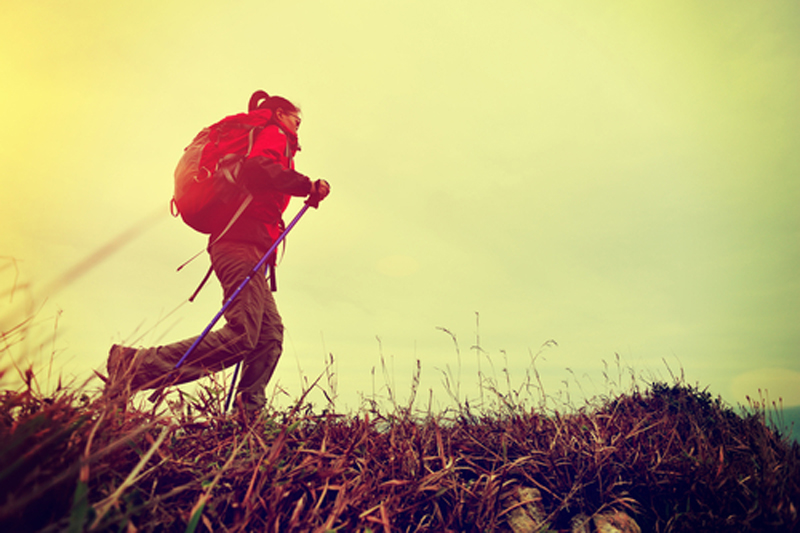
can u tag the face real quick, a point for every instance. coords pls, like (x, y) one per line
(290, 121)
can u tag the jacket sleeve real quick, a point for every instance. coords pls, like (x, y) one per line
(270, 169)
(259, 174)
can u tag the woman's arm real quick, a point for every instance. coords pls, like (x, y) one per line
(269, 166)
(259, 173)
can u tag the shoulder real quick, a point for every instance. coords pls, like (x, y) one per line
(271, 137)
(272, 131)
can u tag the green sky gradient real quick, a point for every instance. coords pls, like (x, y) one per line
(621, 178)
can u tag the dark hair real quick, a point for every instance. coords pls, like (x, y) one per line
(261, 100)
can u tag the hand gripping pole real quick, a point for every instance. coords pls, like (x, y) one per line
(259, 266)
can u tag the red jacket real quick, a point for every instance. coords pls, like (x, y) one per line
(269, 174)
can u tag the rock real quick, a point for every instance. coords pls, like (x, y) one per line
(580, 524)
(616, 522)
(528, 517)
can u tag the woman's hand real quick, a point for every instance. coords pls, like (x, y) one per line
(319, 190)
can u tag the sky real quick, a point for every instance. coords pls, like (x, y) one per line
(602, 192)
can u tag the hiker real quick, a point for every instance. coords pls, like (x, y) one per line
(253, 333)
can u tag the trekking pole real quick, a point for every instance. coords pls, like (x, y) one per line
(233, 384)
(308, 203)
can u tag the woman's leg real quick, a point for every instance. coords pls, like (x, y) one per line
(259, 364)
(221, 348)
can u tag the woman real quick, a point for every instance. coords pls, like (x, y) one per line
(253, 333)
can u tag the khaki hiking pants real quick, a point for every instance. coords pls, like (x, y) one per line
(253, 333)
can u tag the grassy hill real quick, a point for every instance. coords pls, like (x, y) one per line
(668, 457)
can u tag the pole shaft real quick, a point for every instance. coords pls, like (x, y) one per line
(233, 384)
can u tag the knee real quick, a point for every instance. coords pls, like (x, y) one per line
(249, 341)
(244, 338)
(266, 352)
(274, 348)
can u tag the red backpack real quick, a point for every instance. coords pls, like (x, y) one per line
(207, 195)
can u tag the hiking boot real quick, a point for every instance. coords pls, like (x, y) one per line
(245, 415)
(121, 361)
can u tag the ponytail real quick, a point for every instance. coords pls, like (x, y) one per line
(261, 100)
(256, 99)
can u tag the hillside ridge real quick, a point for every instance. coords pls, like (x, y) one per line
(670, 456)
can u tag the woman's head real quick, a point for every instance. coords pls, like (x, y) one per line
(286, 113)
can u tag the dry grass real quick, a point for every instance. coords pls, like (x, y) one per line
(670, 456)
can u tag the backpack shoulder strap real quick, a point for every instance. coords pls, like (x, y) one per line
(202, 284)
